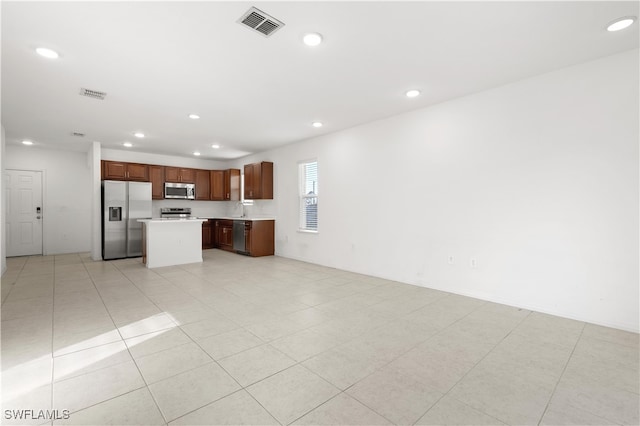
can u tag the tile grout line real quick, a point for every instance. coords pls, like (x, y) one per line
(488, 353)
(244, 388)
(300, 363)
(125, 344)
(53, 317)
(344, 391)
(188, 291)
(166, 421)
(13, 285)
(197, 344)
(474, 366)
(562, 374)
(426, 340)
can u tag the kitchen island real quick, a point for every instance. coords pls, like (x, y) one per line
(169, 242)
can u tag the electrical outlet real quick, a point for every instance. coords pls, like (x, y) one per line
(450, 260)
(473, 262)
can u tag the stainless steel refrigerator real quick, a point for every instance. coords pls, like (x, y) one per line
(123, 203)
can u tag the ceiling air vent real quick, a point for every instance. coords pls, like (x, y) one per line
(259, 21)
(93, 94)
(78, 134)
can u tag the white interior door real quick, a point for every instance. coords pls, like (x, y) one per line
(24, 212)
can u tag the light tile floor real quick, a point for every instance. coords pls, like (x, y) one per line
(238, 340)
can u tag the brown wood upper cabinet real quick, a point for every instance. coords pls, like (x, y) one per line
(202, 185)
(258, 181)
(225, 185)
(177, 174)
(156, 176)
(118, 170)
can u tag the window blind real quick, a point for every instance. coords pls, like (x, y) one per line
(308, 196)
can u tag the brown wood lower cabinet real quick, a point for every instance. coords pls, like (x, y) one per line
(223, 234)
(259, 236)
(207, 231)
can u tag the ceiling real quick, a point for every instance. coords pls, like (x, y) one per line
(158, 62)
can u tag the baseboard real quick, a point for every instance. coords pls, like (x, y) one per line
(633, 328)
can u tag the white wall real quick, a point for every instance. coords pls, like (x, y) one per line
(536, 180)
(93, 158)
(67, 195)
(3, 242)
(162, 160)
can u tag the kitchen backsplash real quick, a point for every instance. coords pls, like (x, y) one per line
(198, 208)
(217, 208)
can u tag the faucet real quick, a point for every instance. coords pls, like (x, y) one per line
(241, 209)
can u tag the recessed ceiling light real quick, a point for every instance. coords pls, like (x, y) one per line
(194, 116)
(312, 39)
(27, 143)
(316, 124)
(621, 23)
(196, 153)
(215, 146)
(412, 93)
(139, 135)
(127, 144)
(47, 53)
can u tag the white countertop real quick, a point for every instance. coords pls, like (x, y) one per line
(172, 220)
(238, 218)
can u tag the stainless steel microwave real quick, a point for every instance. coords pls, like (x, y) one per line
(184, 191)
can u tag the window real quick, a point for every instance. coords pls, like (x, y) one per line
(309, 196)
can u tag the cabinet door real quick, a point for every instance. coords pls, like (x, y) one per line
(172, 174)
(266, 180)
(202, 185)
(156, 176)
(226, 238)
(215, 233)
(247, 236)
(258, 181)
(261, 238)
(188, 175)
(206, 234)
(249, 190)
(232, 185)
(112, 170)
(218, 185)
(139, 172)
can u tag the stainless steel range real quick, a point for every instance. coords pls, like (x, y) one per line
(175, 212)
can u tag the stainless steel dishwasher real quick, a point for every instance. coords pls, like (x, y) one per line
(238, 236)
